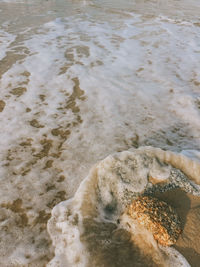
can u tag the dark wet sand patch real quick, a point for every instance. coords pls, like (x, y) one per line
(18, 91)
(36, 124)
(16, 207)
(112, 247)
(2, 105)
(188, 208)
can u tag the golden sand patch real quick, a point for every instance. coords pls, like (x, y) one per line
(158, 217)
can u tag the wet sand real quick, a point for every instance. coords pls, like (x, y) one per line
(79, 81)
(127, 250)
(97, 223)
(188, 208)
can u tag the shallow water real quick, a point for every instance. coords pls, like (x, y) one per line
(81, 80)
(94, 229)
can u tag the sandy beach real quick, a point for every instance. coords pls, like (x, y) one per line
(83, 83)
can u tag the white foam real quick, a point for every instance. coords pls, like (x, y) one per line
(137, 77)
(166, 45)
(6, 39)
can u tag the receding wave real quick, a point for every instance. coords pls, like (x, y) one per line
(91, 228)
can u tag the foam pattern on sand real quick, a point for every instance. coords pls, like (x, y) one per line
(79, 81)
(88, 230)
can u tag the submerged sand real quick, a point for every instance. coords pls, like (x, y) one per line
(188, 208)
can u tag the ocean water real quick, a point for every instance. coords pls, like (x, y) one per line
(82, 80)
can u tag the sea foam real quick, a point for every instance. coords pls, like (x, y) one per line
(85, 230)
(80, 81)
